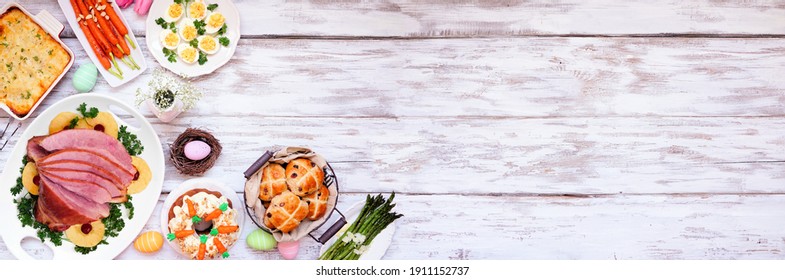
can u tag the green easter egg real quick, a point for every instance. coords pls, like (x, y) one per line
(261, 240)
(85, 77)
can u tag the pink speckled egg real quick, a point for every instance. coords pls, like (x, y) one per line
(196, 150)
(289, 249)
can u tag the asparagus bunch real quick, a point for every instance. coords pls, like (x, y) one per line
(373, 219)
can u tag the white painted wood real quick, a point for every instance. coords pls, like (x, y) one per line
(437, 18)
(512, 148)
(615, 227)
(523, 77)
(470, 156)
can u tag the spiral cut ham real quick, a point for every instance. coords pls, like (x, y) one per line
(81, 171)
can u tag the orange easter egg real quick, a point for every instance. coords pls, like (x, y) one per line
(149, 242)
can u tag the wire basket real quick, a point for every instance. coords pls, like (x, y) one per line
(330, 181)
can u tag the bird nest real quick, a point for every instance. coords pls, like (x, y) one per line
(194, 167)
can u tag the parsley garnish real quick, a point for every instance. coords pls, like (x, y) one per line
(38, 36)
(212, 7)
(173, 27)
(224, 41)
(130, 206)
(222, 31)
(170, 55)
(114, 223)
(27, 95)
(49, 52)
(24, 207)
(92, 113)
(194, 43)
(4, 44)
(73, 123)
(87, 250)
(35, 58)
(199, 24)
(162, 23)
(130, 141)
(178, 1)
(202, 58)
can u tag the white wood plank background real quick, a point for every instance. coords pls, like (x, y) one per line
(512, 129)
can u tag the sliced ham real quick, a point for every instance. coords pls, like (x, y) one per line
(60, 209)
(95, 158)
(113, 189)
(34, 149)
(85, 206)
(81, 171)
(88, 190)
(90, 140)
(87, 167)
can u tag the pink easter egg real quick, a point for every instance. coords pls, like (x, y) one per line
(196, 150)
(289, 249)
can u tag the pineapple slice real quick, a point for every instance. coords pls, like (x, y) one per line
(103, 122)
(87, 235)
(61, 122)
(142, 176)
(30, 178)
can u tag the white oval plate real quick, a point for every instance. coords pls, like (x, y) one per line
(214, 61)
(144, 203)
(128, 73)
(378, 246)
(201, 183)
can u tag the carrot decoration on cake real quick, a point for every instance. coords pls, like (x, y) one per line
(200, 219)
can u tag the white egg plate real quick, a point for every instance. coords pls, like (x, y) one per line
(214, 61)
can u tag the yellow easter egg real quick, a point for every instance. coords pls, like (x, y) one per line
(149, 242)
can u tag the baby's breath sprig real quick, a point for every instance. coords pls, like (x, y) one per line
(164, 89)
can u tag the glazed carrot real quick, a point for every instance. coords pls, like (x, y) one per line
(91, 40)
(202, 249)
(219, 245)
(118, 23)
(106, 28)
(213, 215)
(183, 233)
(227, 229)
(93, 27)
(191, 210)
(113, 17)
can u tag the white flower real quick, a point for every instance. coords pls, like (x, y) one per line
(360, 250)
(359, 238)
(349, 236)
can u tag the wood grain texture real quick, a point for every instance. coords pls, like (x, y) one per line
(381, 140)
(462, 18)
(489, 78)
(510, 227)
(511, 156)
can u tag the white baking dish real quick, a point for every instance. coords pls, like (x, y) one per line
(54, 28)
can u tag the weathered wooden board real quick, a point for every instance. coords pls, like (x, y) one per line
(390, 140)
(459, 18)
(540, 77)
(475, 156)
(521, 227)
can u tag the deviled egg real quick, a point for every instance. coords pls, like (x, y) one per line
(197, 10)
(187, 53)
(169, 40)
(187, 30)
(214, 22)
(174, 13)
(208, 44)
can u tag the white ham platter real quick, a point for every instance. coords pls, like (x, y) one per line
(12, 231)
